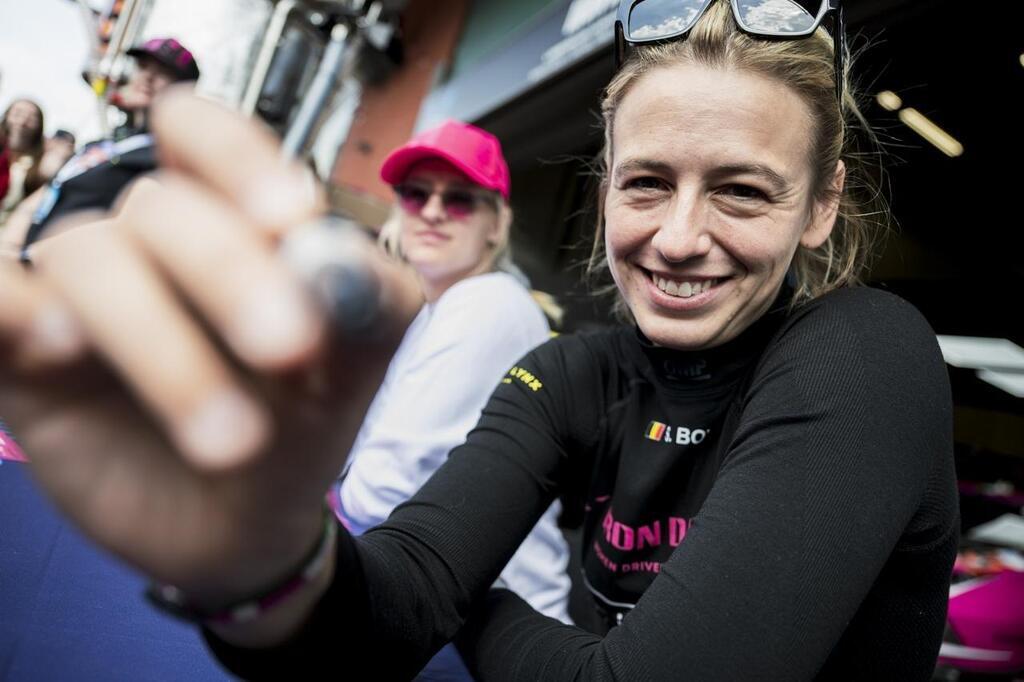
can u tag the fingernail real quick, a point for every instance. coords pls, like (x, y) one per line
(279, 199)
(225, 429)
(55, 333)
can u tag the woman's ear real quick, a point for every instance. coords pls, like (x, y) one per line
(823, 216)
(502, 226)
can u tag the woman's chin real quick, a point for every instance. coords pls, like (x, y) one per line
(680, 334)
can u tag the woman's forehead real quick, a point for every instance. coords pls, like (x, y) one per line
(24, 107)
(720, 116)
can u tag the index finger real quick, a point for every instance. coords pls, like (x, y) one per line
(237, 157)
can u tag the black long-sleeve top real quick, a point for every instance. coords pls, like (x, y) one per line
(782, 507)
(94, 178)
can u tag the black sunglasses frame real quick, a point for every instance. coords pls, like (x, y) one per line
(833, 7)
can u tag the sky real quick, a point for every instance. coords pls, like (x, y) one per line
(43, 47)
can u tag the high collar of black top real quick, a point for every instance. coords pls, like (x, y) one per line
(716, 365)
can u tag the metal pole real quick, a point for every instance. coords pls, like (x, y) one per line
(139, 9)
(96, 80)
(315, 103)
(117, 39)
(272, 36)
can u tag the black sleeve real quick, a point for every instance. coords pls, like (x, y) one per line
(843, 435)
(405, 588)
(840, 435)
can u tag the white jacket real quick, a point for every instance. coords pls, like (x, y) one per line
(449, 362)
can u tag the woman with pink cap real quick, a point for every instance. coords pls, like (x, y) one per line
(451, 225)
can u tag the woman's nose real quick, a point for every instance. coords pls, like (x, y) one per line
(683, 232)
(433, 210)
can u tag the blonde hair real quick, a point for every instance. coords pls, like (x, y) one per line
(805, 66)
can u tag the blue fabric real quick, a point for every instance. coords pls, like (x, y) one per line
(69, 611)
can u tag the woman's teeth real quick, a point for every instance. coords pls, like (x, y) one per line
(682, 289)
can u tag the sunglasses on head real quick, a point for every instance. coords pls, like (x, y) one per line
(651, 21)
(458, 202)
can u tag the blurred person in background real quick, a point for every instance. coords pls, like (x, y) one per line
(57, 150)
(93, 178)
(159, 63)
(23, 131)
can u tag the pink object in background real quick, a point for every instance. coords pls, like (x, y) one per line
(986, 616)
(471, 150)
(9, 450)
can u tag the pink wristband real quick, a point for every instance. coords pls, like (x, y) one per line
(174, 601)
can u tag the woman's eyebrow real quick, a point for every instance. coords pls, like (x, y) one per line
(630, 166)
(778, 181)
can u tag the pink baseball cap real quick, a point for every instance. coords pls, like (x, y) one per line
(473, 151)
(171, 54)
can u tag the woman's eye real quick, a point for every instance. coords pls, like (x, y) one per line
(744, 192)
(644, 183)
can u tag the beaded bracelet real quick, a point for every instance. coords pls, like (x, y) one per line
(174, 601)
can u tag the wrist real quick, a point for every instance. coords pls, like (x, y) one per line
(279, 624)
(266, 604)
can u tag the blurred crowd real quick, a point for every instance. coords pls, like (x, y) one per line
(43, 178)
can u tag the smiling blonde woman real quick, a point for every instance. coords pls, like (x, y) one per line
(763, 462)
